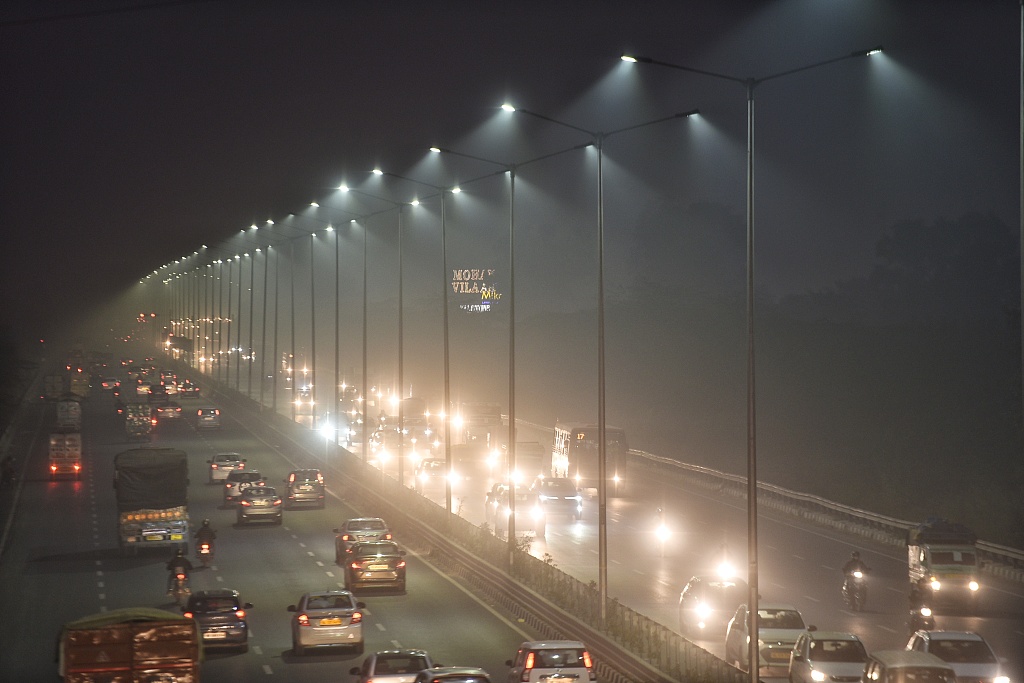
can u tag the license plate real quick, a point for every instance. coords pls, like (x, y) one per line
(377, 568)
(331, 621)
(157, 537)
(215, 635)
(779, 654)
(259, 503)
(177, 537)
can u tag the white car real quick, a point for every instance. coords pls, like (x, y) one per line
(778, 628)
(550, 660)
(222, 464)
(393, 666)
(967, 652)
(827, 656)
(330, 618)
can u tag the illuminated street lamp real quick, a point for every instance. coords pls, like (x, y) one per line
(749, 84)
(597, 139)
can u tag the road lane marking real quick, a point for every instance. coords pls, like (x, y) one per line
(301, 544)
(257, 649)
(381, 627)
(330, 574)
(397, 645)
(311, 553)
(267, 670)
(319, 563)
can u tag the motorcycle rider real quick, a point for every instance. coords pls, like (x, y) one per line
(854, 564)
(178, 564)
(206, 533)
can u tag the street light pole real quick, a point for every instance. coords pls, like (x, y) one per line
(749, 85)
(598, 139)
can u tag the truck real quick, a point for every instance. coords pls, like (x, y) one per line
(69, 413)
(66, 454)
(53, 386)
(482, 423)
(151, 489)
(130, 644)
(78, 383)
(942, 561)
(138, 421)
(575, 453)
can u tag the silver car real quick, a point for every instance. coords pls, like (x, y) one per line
(967, 652)
(260, 504)
(223, 464)
(396, 666)
(827, 656)
(327, 619)
(238, 481)
(358, 530)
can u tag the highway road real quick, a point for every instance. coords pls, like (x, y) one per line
(61, 562)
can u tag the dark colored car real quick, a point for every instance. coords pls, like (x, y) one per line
(260, 504)
(220, 615)
(559, 496)
(707, 603)
(453, 674)
(375, 564)
(304, 486)
(167, 412)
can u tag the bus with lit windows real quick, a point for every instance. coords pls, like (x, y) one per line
(575, 454)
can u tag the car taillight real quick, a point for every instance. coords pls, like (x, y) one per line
(53, 468)
(527, 667)
(213, 466)
(387, 537)
(401, 563)
(188, 615)
(355, 565)
(240, 466)
(244, 503)
(77, 467)
(587, 662)
(357, 617)
(240, 613)
(346, 537)
(179, 577)
(303, 620)
(277, 502)
(227, 486)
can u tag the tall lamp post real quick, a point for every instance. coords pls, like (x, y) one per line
(749, 85)
(510, 465)
(597, 139)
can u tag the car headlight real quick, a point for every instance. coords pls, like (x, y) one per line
(703, 610)
(936, 585)
(818, 676)
(973, 585)
(1001, 679)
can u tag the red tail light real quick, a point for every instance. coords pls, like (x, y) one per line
(179, 577)
(401, 563)
(78, 468)
(277, 502)
(205, 547)
(240, 613)
(245, 503)
(188, 615)
(357, 617)
(53, 468)
(527, 666)
(587, 662)
(387, 537)
(356, 565)
(303, 619)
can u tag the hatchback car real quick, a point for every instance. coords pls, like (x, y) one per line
(778, 628)
(110, 383)
(223, 464)
(208, 418)
(430, 475)
(220, 615)
(238, 481)
(327, 619)
(547, 660)
(260, 504)
(357, 530)
(559, 496)
(168, 412)
(827, 656)
(967, 652)
(907, 666)
(396, 666)
(706, 604)
(304, 486)
(375, 564)
(453, 674)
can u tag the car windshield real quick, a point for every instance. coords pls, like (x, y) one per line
(329, 602)
(722, 594)
(838, 651)
(245, 476)
(224, 457)
(372, 549)
(259, 491)
(953, 557)
(308, 475)
(367, 525)
(779, 618)
(213, 604)
(558, 486)
(961, 651)
(920, 674)
(558, 658)
(399, 664)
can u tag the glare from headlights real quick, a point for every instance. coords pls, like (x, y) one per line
(703, 610)
(973, 585)
(818, 676)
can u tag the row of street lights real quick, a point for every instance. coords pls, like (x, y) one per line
(597, 140)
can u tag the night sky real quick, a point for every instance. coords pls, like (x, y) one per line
(133, 132)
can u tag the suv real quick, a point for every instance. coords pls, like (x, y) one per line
(208, 418)
(827, 656)
(559, 496)
(220, 615)
(552, 659)
(304, 486)
(967, 652)
(238, 481)
(778, 628)
(907, 665)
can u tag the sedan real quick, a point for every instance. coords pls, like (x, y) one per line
(453, 674)
(967, 652)
(397, 666)
(238, 481)
(559, 496)
(220, 615)
(375, 564)
(779, 626)
(357, 530)
(260, 504)
(222, 464)
(168, 411)
(827, 656)
(327, 619)
(707, 602)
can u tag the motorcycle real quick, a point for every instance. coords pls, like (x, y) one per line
(921, 619)
(855, 590)
(204, 551)
(180, 589)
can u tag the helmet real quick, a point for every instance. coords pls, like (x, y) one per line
(206, 522)
(179, 553)
(855, 555)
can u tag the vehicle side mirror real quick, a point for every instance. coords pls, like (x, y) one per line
(812, 628)
(291, 608)
(401, 552)
(508, 662)
(355, 671)
(361, 605)
(247, 605)
(337, 531)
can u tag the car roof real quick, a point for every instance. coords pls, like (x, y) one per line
(328, 591)
(551, 644)
(244, 475)
(305, 470)
(260, 491)
(950, 635)
(775, 606)
(216, 593)
(228, 455)
(365, 519)
(833, 635)
(418, 653)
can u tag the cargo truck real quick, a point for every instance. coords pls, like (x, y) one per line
(151, 488)
(130, 644)
(78, 384)
(576, 451)
(65, 454)
(138, 421)
(942, 561)
(53, 386)
(69, 413)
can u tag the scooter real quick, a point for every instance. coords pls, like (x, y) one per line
(855, 590)
(204, 551)
(921, 619)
